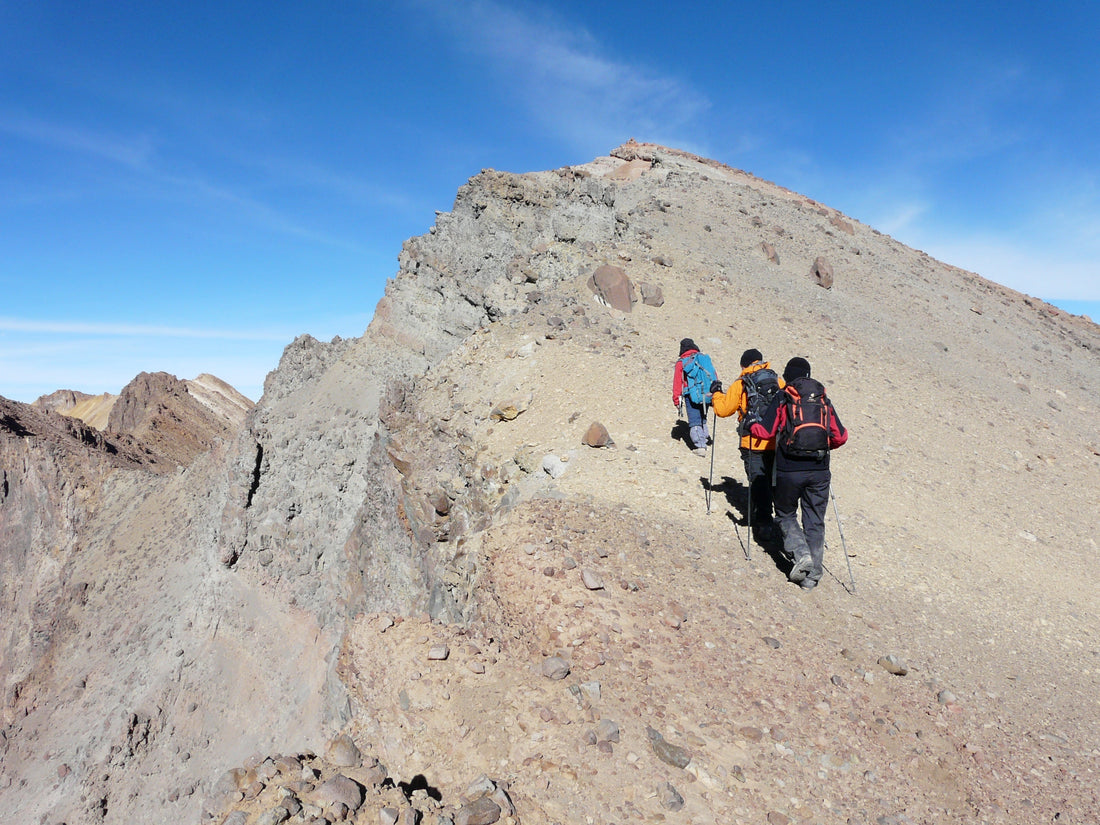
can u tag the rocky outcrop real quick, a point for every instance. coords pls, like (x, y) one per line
(178, 419)
(93, 410)
(60, 400)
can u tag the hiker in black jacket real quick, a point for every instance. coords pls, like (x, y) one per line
(805, 427)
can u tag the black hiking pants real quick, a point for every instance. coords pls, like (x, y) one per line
(810, 489)
(758, 470)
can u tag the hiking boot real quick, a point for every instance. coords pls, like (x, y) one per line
(700, 451)
(801, 569)
(808, 584)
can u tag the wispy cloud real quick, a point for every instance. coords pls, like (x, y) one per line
(563, 79)
(132, 152)
(139, 155)
(135, 330)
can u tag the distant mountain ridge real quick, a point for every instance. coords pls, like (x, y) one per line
(178, 418)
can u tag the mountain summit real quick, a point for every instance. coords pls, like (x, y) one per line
(408, 587)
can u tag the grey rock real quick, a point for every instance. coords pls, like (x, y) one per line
(481, 786)
(667, 752)
(607, 731)
(669, 797)
(503, 801)
(483, 811)
(892, 664)
(591, 580)
(652, 296)
(343, 752)
(555, 667)
(274, 816)
(340, 790)
(439, 653)
(553, 466)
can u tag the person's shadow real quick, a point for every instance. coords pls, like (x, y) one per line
(682, 432)
(736, 495)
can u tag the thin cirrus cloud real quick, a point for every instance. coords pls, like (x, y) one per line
(139, 155)
(135, 330)
(563, 81)
(133, 153)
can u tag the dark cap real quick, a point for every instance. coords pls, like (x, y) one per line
(750, 356)
(796, 368)
(687, 344)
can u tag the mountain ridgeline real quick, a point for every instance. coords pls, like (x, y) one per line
(401, 585)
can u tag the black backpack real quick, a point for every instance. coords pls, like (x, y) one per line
(806, 432)
(761, 386)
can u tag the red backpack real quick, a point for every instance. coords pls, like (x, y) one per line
(806, 432)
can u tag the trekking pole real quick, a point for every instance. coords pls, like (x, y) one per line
(748, 521)
(713, 443)
(843, 543)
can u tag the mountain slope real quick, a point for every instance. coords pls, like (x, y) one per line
(292, 584)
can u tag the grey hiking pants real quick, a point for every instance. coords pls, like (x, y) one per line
(810, 488)
(697, 422)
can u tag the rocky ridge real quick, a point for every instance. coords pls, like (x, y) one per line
(386, 548)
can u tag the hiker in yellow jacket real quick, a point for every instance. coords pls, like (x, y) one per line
(748, 397)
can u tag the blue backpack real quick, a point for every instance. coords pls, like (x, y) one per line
(699, 374)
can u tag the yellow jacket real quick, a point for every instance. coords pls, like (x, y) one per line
(736, 400)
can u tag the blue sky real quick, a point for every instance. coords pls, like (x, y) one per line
(187, 186)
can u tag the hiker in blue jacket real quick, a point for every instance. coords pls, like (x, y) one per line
(691, 380)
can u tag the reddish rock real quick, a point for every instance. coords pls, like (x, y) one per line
(822, 272)
(597, 436)
(613, 288)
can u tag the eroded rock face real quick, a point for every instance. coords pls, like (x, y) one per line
(52, 469)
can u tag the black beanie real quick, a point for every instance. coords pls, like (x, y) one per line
(750, 356)
(796, 368)
(686, 344)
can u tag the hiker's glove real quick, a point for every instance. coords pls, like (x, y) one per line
(716, 387)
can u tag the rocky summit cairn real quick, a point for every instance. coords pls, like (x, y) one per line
(411, 585)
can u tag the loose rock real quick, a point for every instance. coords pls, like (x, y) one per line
(483, 811)
(667, 752)
(892, 664)
(822, 272)
(555, 668)
(669, 797)
(343, 752)
(597, 436)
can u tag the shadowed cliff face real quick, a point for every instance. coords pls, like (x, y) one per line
(175, 625)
